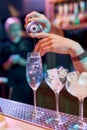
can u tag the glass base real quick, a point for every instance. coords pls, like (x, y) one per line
(57, 121)
(78, 126)
(37, 114)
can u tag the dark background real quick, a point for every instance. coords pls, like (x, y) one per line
(22, 6)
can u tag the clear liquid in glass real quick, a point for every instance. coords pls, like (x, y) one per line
(34, 78)
(77, 86)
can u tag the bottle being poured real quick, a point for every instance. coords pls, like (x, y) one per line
(34, 27)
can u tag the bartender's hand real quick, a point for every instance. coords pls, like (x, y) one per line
(57, 44)
(50, 43)
(35, 16)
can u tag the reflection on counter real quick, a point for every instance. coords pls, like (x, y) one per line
(11, 123)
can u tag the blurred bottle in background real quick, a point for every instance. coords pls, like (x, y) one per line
(83, 14)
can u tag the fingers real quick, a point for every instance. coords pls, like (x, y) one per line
(32, 19)
(29, 20)
(43, 46)
(32, 14)
(35, 16)
(44, 50)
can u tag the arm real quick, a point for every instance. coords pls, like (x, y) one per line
(7, 65)
(59, 44)
(54, 29)
(13, 59)
(47, 26)
(80, 64)
(67, 46)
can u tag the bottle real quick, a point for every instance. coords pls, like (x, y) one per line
(34, 27)
(76, 12)
(82, 15)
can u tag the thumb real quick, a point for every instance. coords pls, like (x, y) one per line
(39, 35)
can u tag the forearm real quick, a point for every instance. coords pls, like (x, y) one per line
(7, 65)
(80, 65)
(76, 50)
(56, 30)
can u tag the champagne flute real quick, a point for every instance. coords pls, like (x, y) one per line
(34, 77)
(76, 85)
(56, 84)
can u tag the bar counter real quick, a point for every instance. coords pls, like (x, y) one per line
(18, 111)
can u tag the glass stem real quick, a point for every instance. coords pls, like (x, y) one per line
(81, 109)
(57, 104)
(34, 91)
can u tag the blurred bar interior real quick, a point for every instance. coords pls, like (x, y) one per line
(67, 15)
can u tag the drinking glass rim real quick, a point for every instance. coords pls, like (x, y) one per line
(33, 54)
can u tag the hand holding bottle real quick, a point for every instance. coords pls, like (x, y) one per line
(35, 16)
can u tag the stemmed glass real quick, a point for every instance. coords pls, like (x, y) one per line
(76, 85)
(34, 77)
(56, 84)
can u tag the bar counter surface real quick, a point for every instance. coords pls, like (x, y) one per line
(14, 112)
